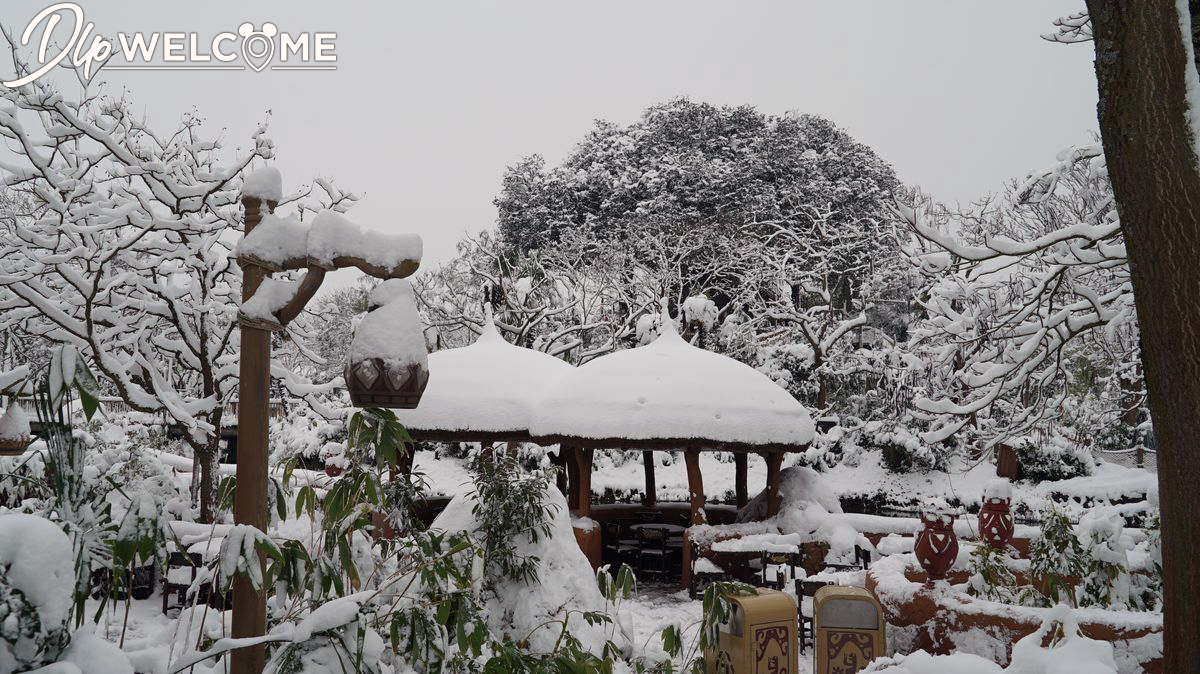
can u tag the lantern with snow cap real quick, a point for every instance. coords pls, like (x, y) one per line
(388, 364)
(15, 435)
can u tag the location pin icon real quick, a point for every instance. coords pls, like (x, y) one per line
(258, 47)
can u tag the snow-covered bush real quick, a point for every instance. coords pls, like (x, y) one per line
(36, 579)
(990, 576)
(1105, 581)
(1057, 560)
(1054, 459)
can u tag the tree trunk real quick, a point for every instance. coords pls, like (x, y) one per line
(1141, 69)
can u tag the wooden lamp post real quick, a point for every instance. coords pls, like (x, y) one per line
(259, 317)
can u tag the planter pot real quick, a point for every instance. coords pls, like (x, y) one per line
(996, 522)
(937, 545)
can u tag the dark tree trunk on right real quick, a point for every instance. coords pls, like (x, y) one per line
(1141, 70)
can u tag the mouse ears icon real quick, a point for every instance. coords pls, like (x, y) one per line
(258, 47)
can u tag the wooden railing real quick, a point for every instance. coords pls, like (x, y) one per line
(277, 408)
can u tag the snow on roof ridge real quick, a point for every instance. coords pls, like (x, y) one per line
(488, 334)
(667, 333)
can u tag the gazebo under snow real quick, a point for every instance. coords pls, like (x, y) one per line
(484, 392)
(670, 395)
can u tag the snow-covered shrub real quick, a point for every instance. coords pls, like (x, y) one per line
(990, 576)
(1105, 582)
(306, 435)
(511, 513)
(1056, 561)
(1146, 588)
(1055, 459)
(36, 579)
(905, 451)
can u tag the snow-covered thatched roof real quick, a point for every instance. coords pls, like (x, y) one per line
(485, 391)
(671, 394)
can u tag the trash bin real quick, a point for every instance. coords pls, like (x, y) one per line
(759, 638)
(848, 630)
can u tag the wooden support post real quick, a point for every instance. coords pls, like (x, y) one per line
(584, 456)
(774, 462)
(560, 480)
(739, 478)
(572, 460)
(406, 461)
(250, 501)
(695, 484)
(650, 496)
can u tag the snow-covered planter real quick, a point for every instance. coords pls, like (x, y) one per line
(941, 619)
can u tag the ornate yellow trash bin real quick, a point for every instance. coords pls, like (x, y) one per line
(759, 638)
(848, 630)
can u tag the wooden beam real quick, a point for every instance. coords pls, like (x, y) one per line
(739, 479)
(695, 484)
(650, 495)
(774, 463)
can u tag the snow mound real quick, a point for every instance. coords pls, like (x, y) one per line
(808, 507)
(489, 386)
(333, 236)
(670, 390)
(14, 424)
(285, 242)
(391, 330)
(94, 655)
(265, 183)
(565, 582)
(38, 559)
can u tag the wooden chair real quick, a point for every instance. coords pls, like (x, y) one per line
(773, 563)
(704, 573)
(179, 574)
(616, 548)
(652, 553)
(862, 561)
(141, 585)
(806, 588)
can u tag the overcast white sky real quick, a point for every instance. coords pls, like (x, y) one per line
(431, 100)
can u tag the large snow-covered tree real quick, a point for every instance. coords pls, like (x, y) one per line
(702, 169)
(122, 249)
